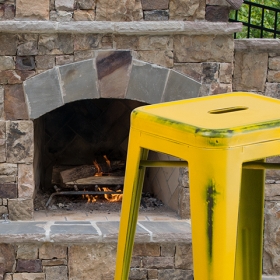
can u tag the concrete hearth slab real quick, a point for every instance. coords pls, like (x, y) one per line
(91, 231)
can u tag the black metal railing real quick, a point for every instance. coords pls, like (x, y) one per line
(255, 17)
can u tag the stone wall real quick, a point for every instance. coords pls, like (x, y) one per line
(50, 261)
(24, 53)
(77, 250)
(108, 10)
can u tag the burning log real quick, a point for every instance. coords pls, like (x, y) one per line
(85, 171)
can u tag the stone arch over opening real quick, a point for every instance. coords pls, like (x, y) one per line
(111, 74)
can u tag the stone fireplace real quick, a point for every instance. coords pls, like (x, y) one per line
(121, 66)
(86, 109)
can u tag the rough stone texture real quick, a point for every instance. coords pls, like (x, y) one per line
(85, 42)
(28, 44)
(31, 266)
(217, 3)
(184, 203)
(149, 249)
(180, 87)
(163, 58)
(27, 252)
(217, 88)
(155, 5)
(186, 9)
(203, 48)
(154, 43)
(52, 251)
(14, 76)
(152, 274)
(61, 16)
(183, 256)
(64, 59)
(8, 44)
(83, 15)
(29, 276)
(3, 210)
(273, 76)
(20, 142)
(7, 258)
(158, 262)
(193, 70)
(119, 10)
(25, 181)
(7, 12)
(126, 42)
(272, 90)
(83, 55)
(64, 5)
(271, 239)
(156, 15)
(78, 81)
(55, 44)
(274, 63)
(7, 63)
(44, 62)
(85, 261)
(14, 105)
(47, 85)
(113, 70)
(167, 274)
(8, 170)
(210, 72)
(226, 71)
(25, 63)
(8, 190)
(8, 276)
(217, 13)
(138, 274)
(146, 82)
(86, 4)
(54, 262)
(20, 209)
(235, 4)
(56, 272)
(250, 71)
(38, 10)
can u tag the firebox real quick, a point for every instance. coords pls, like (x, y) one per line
(83, 148)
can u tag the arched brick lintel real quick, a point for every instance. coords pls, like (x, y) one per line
(111, 74)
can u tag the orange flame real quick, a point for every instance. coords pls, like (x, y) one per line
(112, 197)
(98, 173)
(107, 161)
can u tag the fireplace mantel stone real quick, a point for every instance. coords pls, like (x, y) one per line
(125, 28)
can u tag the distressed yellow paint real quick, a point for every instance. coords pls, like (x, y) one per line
(215, 135)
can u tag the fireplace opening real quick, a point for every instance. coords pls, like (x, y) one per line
(80, 153)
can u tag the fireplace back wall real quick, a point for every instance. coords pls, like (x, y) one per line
(83, 131)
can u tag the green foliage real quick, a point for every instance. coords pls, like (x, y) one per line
(256, 19)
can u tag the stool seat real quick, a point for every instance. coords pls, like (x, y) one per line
(215, 135)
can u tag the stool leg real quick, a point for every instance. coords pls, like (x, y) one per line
(134, 177)
(215, 181)
(250, 226)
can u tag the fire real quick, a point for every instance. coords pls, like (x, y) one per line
(112, 197)
(107, 161)
(98, 173)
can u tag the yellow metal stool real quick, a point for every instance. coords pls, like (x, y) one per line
(218, 137)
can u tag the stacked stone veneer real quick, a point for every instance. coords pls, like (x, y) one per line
(108, 10)
(87, 250)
